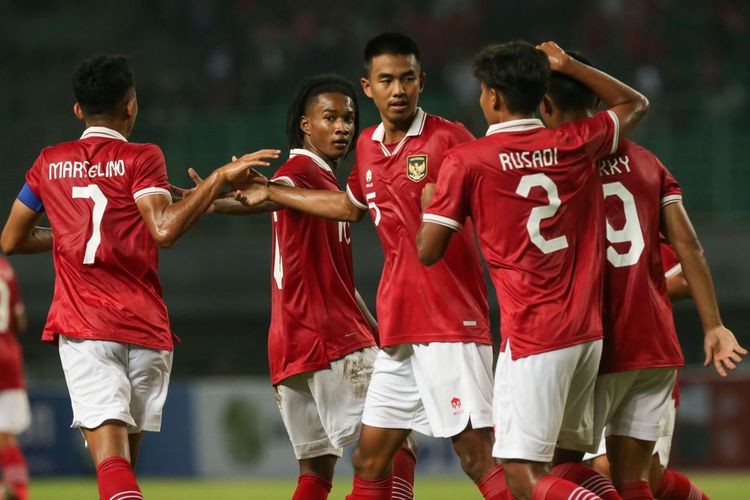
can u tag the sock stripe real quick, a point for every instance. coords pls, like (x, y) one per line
(582, 494)
(695, 493)
(598, 485)
(123, 495)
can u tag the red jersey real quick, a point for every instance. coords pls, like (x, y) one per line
(535, 197)
(315, 318)
(639, 327)
(669, 260)
(11, 359)
(446, 302)
(106, 283)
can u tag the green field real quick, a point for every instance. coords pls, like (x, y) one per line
(717, 486)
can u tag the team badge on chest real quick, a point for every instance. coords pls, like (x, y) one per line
(416, 167)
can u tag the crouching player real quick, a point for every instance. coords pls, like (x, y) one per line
(15, 416)
(110, 209)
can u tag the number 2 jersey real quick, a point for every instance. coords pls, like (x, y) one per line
(106, 283)
(639, 329)
(446, 302)
(315, 318)
(11, 359)
(535, 197)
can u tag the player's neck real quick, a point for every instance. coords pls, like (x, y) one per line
(395, 131)
(506, 116)
(334, 164)
(121, 126)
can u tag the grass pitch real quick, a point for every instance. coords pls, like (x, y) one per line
(716, 486)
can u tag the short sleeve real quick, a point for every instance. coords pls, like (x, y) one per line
(150, 173)
(354, 189)
(598, 134)
(294, 173)
(451, 204)
(670, 189)
(31, 193)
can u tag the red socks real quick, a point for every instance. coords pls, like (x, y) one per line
(588, 478)
(556, 488)
(636, 490)
(117, 480)
(493, 486)
(675, 486)
(366, 489)
(403, 474)
(15, 471)
(312, 487)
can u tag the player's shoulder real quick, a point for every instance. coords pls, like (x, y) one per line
(437, 124)
(632, 149)
(365, 136)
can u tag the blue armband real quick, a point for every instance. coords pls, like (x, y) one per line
(30, 199)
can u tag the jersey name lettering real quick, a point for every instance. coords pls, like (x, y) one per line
(82, 169)
(529, 159)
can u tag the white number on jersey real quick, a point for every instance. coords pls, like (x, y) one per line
(278, 265)
(4, 306)
(631, 231)
(540, 213)
(373, 206)
(345, 234)
(100, 203)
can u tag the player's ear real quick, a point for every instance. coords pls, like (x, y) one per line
(131, 106)
(78, 112)
(304, 125)
(422, 78)
(496, 99)
(365, 82)
(546, 108)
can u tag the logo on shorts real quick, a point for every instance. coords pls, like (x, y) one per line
(368, 176)
(456, 405)
(416, 167)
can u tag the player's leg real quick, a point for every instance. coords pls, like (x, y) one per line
(474, 449)
(532, 415)
(634, 428)
(134, 444)
(100, 392)
(15, 417)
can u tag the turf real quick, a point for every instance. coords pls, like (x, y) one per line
(717, 486)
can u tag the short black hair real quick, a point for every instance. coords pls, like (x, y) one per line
(517, 70)
(391, 43)
(568, 93)
(101, 83)
(310, 88)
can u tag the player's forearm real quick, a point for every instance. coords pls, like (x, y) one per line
(329, 204)
(39, 239)
(230, 206)
(698, 276)
(628, 104)
(366, 312)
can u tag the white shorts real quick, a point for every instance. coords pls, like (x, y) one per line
(545, 400)
(663, 446)
(322, 410)
(435, 388)
(115, 381)
(15, 414)
(633, 403)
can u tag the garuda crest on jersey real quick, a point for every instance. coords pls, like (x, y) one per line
(416, 167)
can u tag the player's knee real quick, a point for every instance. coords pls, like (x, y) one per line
(476, 461)
(369, 466)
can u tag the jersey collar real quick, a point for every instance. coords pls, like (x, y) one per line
(105, 132)
(317, 159)
(415, 129)
(515, 126)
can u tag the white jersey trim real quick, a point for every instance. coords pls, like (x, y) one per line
(515, 125)
(415, 129)
(615, 137)
(149, 191)
(672, 198)
(284, 179)
(354, 200)
(103, 132)
(317, 159)
(673, 271)
(443, 221)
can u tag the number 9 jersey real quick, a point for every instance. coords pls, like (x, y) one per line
(106, 282)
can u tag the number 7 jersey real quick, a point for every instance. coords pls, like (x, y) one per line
(106, 282)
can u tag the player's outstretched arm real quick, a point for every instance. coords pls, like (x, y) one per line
(168, 221)
(720, 345)
(21, 233)
(227, 204)
(334, 205)
(432, 239)
(627, 103)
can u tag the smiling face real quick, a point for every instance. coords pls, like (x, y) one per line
(393, 83)
(328, 125)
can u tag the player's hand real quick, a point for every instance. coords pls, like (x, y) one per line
(722, 349)
(241, 170)
(253, 195)
(255, 178)
(428, 191)
(178, 193)
(558, 59)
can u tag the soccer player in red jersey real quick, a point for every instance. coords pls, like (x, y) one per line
(641, 351)
(434, 371)
(15, 415)
(535, 197)
(110, 209)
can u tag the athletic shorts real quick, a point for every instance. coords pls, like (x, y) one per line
(15, 414)
(115, 381)
(545, 400)
(436, 388)
(322, 410)
(633, 403)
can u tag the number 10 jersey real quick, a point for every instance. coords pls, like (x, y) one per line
(106, 282)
